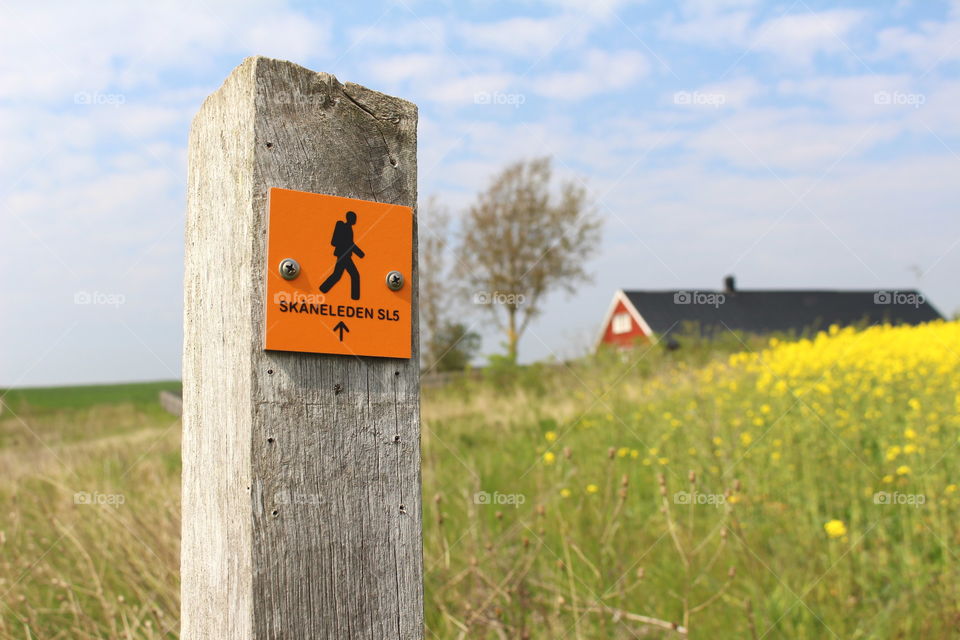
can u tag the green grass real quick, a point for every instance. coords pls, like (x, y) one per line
(590, 540)
(46, 399)
(48, 416)
(71, 570)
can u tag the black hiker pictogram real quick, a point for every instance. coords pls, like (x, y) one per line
(344, 249)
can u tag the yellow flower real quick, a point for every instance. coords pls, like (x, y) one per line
(951, 488)
(692, 451)
(888, 479)
(903, 470)
(592, 488)
(717, 441)
(835, 528)
(565, 493)
(622, 452)
(775, 456)
(746, 439)
(653, 451)
(663, 460)
(550, 436)
(910, 448)
(909, 433)
(634, 454)
(549, 458)
(893, 452)
(734, 499)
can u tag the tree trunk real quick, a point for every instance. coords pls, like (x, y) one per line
(512, 337)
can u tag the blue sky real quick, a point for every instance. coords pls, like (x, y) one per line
(795, 144)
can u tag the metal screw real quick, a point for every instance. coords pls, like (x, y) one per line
(395, 280)
(289, 268)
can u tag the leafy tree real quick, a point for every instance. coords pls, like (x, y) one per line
(455, 346)
(520, 242)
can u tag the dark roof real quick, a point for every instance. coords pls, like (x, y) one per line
(753, 311)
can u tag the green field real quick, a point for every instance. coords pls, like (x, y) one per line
(82, 413)
(790, 490)
(39, 399)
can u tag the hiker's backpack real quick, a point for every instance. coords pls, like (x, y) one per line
(341, 235)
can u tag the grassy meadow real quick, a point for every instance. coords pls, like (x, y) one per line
(774, 489)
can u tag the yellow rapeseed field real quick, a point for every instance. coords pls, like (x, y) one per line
(795, 489)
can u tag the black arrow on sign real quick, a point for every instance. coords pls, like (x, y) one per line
(341, 328)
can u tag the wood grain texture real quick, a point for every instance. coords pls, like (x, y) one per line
(301, 477)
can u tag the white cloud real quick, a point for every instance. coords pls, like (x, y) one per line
(600, 72)
(411, 66)
(399, 30)
(524, 36)
(928, 45)
(468, 90)
(459, 81)
(858, 96)
(711, 24)
(54, 50)
(938, 114)
(797, 38)
(594, 9)
(790, 140)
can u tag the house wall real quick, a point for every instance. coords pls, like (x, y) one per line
(622, 339)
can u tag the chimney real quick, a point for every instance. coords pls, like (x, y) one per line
(729, 284)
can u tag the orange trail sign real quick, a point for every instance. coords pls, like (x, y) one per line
(338, 275)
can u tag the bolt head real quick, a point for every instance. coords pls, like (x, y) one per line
(289, 268)
(394, 280)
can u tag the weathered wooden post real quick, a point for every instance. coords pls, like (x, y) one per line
(301, 469)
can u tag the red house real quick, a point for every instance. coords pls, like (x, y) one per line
(642, 315)
(623, 324)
